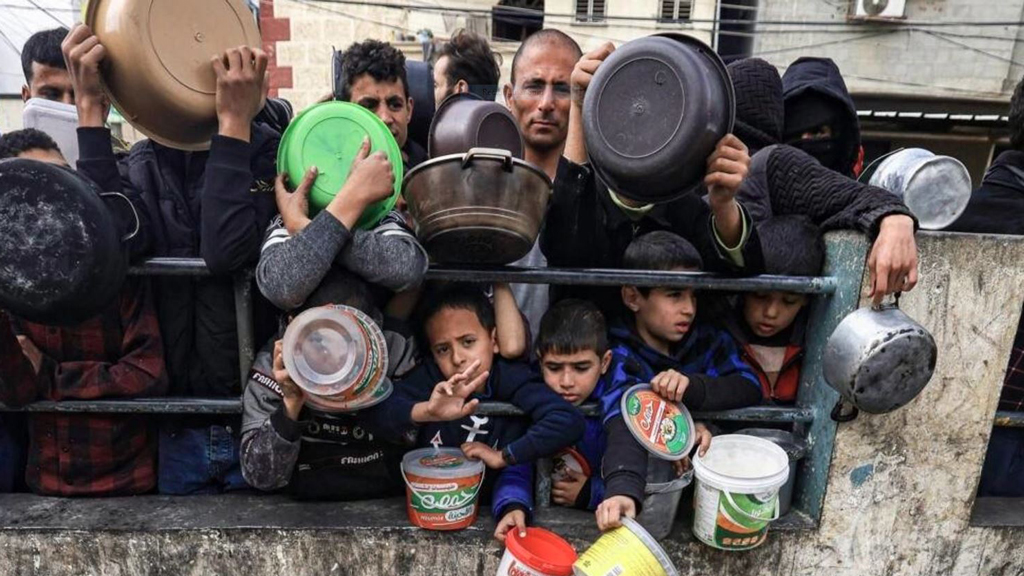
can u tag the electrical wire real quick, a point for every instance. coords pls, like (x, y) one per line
(48, 13)
(942, 37)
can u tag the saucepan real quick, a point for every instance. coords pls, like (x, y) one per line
(481, 207)
(879, 359)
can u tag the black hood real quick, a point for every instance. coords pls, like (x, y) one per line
(821, 76)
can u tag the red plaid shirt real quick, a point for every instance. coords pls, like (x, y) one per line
(1012, 397)
(116, 354)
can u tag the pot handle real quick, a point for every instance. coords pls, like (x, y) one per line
(884, 306)
(490, 153)
(138, 223)
(839, 415)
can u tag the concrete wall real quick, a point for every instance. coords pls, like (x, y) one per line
(897, 59)
(900, 489)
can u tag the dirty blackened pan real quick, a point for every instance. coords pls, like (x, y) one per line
(653, 114)
(465, 121)
(62, 254)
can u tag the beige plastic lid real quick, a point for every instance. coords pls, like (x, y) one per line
(157, 72)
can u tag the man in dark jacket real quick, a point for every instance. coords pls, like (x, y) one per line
(821, 118)
(997, 207)
(212, 204)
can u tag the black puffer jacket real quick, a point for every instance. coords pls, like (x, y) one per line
(821, 76)
(212, 204)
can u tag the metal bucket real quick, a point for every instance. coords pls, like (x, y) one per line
(794, 446)
(935, 188)
(661, 498)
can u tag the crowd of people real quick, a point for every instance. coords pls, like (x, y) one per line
(771, 189)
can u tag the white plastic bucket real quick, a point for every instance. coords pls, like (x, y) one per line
(737, 491)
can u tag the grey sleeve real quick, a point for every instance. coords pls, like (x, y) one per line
(388, 256)
(270, 440)
(291, 267)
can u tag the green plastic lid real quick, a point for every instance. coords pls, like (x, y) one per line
(328, 136)
(663, 427)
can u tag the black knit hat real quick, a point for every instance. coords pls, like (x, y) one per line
(760, 110)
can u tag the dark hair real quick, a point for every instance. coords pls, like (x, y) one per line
(457, 296)
(470, 58)
(14, 143)
(1017, 117)
(343, 288)
(660, 250)
(382, 61)
(792, 246)
(545, 35)
(43, 47)
(572, 326)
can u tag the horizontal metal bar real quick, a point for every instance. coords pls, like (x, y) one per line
(564, 276)
(1009, 419)
(234, 406)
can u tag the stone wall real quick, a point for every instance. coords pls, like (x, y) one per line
(898, 503)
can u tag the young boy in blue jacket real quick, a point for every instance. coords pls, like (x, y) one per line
(696, 363)
(458, 329)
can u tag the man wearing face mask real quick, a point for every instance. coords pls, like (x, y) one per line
(821, 118)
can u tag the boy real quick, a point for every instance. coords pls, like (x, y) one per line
(769, 326)
(116, 354)
(574, 358)
(661, 344)
(458, 327)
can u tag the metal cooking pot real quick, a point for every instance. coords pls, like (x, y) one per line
(62, 260)
(653, 114)
(935, 188)
(879, 359)
(481, 207)
(465, 121)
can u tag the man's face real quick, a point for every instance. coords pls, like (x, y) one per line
(574, 376)
(48, 156)
(441, 88)
(457, 338)
(768, 313)
(49, 83)
(388, 101)
(540, 97)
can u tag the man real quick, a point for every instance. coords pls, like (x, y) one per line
(212, 204)
(46, 75)
(821, 118)
(374, 77)
(118, 353)
(466, 63)
(997, 207)
(538, 96)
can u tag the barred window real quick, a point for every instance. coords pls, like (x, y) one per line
(590, 10)
(676, 10)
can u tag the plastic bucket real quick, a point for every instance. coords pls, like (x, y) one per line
(737, 491)
(539, 553)
(625, 551)
(795, 447)
(661, 497)
(441, 488)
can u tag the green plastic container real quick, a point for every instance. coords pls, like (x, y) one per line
(328, 136)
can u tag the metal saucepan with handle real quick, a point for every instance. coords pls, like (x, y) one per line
(878, 359)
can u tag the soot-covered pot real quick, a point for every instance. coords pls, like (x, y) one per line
(879, 358)
(62, 258)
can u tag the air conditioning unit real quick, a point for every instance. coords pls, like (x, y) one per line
(878, 9)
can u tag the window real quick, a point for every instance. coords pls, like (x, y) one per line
(676, 10)
(590, 10)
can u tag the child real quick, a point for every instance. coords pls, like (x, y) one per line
(661, 344)
(458, 328)
(770, 325)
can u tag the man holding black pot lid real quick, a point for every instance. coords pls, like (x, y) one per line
(212, 204)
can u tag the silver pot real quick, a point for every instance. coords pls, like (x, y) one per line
(481, 207)
(935, 188)
(879, 359)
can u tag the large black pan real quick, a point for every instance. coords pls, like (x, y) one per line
(62, 259)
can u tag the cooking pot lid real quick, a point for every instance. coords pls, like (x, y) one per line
(173, 40)
(663, 428)
(327, 351)
(54, 231)
(328, 136)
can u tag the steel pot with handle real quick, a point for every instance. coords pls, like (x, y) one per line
(481, 207)
(878, 359)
